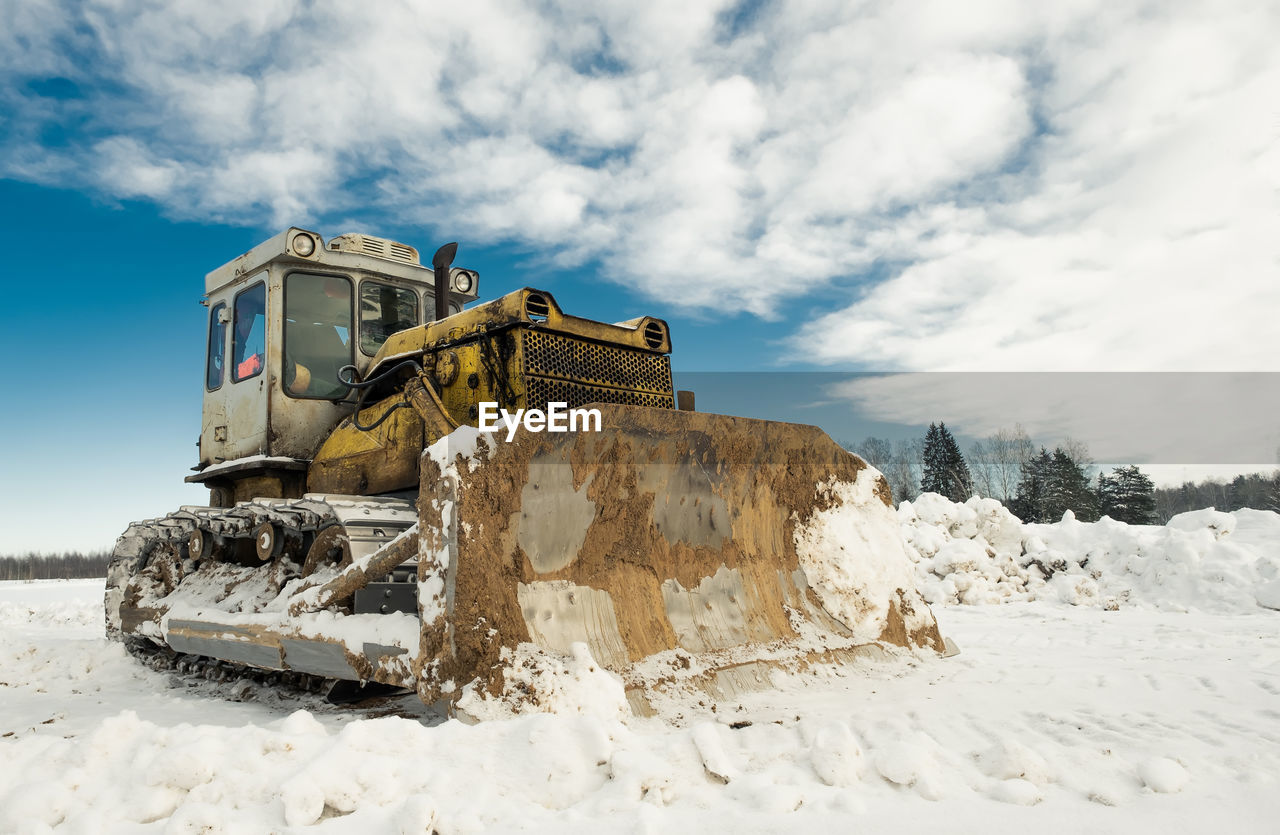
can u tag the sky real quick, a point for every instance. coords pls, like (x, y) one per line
(798, 187)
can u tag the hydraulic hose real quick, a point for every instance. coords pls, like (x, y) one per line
(364, 385)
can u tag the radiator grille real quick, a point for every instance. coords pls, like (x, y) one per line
(542, 391)
(587, 363)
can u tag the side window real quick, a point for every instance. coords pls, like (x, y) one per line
(217, 346)
(249, 345)
(429, 299)
(317, 334)
(384, 310)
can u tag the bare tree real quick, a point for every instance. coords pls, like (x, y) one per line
(878, 452)
(898, 461)
(1078, 452)
(981, 467)
(997, 462)
(905, 469)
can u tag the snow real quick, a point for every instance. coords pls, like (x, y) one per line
(1162, 774)
(853, 559)
(461, 444)
(978, 552)
(1134, 689)
(259, 459)
(552, 683)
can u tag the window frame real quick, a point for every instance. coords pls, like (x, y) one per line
(266, 325)
(352, 334)
(214, 325)
(417, 308)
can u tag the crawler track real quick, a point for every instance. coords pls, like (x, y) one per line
(271, 541)
(243, 680)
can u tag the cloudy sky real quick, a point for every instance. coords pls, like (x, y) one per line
(978, 186)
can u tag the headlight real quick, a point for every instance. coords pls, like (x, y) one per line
(304, 244)
(463, 281)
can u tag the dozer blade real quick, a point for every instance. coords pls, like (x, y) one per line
(689, 552)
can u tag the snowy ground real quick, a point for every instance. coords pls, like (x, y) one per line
(1056, 717)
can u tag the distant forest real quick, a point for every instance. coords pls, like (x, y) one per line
(1039, 485)
(71, 565)
(1260, 491)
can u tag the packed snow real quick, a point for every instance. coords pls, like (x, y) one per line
(854, 561)
(1129, 682)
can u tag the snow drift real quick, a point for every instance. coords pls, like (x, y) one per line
(978, 552)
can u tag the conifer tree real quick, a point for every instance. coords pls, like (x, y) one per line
(1130, 496)
(1029, 503)
(1106, 492)
(944, 468)
(931, 462)
(1068, 489)
(960, 481)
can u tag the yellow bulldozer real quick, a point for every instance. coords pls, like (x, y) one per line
(410, 489)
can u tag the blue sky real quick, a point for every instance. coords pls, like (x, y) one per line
(796, 186)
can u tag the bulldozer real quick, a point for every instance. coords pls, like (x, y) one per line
(411, 489)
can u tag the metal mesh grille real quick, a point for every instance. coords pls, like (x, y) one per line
(552, 355)
(542, 391)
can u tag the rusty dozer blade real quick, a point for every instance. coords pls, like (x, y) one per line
(691, 553)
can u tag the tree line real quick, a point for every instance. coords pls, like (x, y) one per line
(1039, 485)
(72, 565)
(1260, 491)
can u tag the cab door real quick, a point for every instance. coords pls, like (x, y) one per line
(234, 420)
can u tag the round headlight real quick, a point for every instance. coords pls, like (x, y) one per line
(463, 282)
(304, 244)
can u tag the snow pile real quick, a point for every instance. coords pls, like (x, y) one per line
(538, 681)
(978, 552)
(853, 558)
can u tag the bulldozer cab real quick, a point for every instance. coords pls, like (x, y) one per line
(283, 319)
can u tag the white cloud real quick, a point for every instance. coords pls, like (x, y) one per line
(128, 168)
(1085, 185)
(1138, 236)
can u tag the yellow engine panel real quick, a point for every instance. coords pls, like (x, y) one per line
(520, 352)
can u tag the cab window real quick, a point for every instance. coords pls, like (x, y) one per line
(384, 310)
(217, 346)
(429, 299)
(249, 346)
(317, 334)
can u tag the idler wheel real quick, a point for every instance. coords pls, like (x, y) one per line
(205, 545)
(266, 541)
(200, 544)
(331, 549)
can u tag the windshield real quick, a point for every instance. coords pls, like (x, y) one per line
(317, 334)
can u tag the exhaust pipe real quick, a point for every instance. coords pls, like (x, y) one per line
(441, 261)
